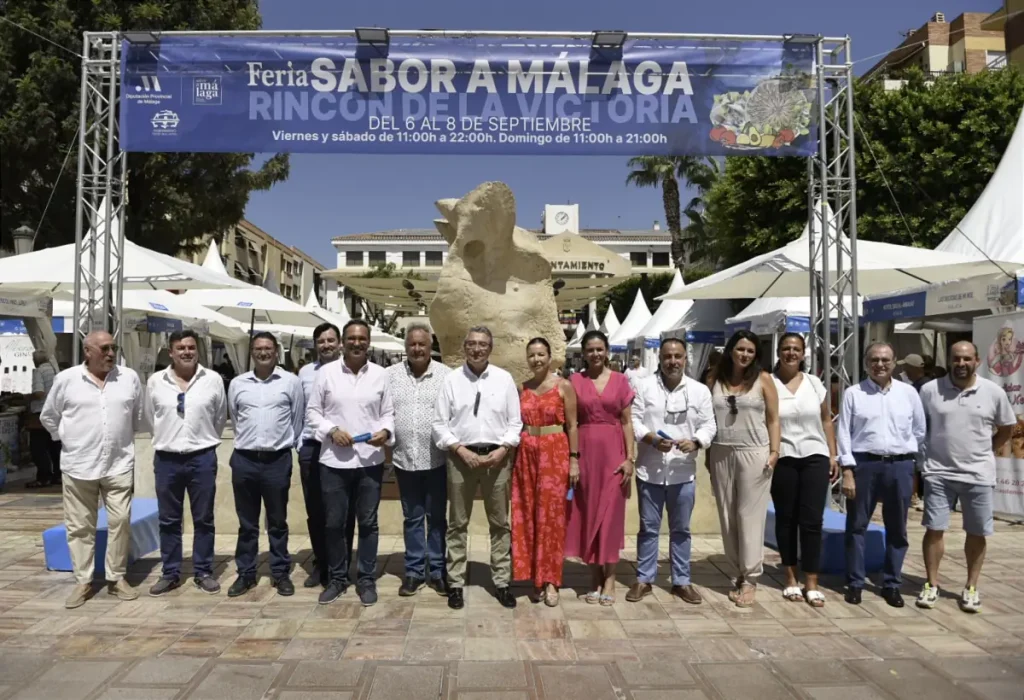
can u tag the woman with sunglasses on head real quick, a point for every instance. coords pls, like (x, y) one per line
(597, 518)
(546, 468)
(743, 456)
(806, 467)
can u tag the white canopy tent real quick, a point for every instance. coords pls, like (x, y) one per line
(648, 339)
(577, 337)
(700, 325)
(881, 267)
(635, 320)
(611, 322)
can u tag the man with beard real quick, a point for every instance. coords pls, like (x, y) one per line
(186, 409)
(327, 339)
(351, 413)
(963, 410)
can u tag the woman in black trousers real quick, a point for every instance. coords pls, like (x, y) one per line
(807, 464)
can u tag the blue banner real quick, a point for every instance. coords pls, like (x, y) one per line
(895, 307)
(468, 96)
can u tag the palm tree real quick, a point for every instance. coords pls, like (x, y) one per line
(697, 236)
(666, 172)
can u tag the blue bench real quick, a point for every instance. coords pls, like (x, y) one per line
(145, 523)
(833, 545)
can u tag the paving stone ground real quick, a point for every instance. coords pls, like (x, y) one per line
(261, 646)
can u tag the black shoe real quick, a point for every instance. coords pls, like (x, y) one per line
(410, 586)
(367, 594)
(853, 596)
(505, 597)
(207, 584)
(440, 585)
(314, 579)
(240, 586)
(332, 592)
(164, 585)
(284, 586)
(455, 599)
(892, 597)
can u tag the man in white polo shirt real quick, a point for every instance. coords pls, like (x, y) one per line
(963, 411)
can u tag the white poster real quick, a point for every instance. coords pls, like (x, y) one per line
(16, 364)
(1000, 341)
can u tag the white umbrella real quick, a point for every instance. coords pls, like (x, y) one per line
(379, 340)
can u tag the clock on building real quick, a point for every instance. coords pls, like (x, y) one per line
(562, 218)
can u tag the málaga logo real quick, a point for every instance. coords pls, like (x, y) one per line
(206, 90)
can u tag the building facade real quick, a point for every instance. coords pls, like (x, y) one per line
(254, 256)
(938, 47)
(1009, 20)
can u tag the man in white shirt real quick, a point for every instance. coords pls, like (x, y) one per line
(186, 409)
(266, 407)
(881, 429)
(635, 372)
(422, 481)
(94, 410)
(351, 413)
(477, 421)
(668, 403)
(45, 452)
(969, 420)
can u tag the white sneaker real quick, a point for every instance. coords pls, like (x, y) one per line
(970, 601)
(928, 596)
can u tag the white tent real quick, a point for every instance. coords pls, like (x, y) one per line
(665, 315)
(881, 267)
(577, 337)
(701, 327)
(994, 227)
(592, 324)
(611, 322)
(636, 319)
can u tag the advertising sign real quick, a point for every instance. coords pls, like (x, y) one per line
(468, 96)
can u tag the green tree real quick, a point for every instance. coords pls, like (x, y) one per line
(665, 172)
(934, 142)
(172, 197)
(621, 296)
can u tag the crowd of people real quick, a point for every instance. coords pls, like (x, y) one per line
(554, 460)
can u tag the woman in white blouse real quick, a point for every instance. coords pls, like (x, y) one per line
(806, 467)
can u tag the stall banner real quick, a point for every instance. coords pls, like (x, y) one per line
(469, 96)
(982, 293)
(25, 306)
(1000, 341)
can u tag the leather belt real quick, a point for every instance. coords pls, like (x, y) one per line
(886, 459)
(540, 430)
(482, 449)
(263, 455)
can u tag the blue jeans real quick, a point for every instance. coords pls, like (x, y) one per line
(652, 499)
(891, 483)
(176, 473)
(339, 487)
(265, 478)
(424, 496)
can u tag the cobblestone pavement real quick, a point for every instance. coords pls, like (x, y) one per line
(192, 645)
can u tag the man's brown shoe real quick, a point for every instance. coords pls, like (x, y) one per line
(688, 594)
(122, 590)
(638, 591)
(79, 594)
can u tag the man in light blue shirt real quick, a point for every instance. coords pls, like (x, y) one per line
(267, 409)
(881, 429)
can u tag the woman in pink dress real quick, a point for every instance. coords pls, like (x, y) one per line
(597, 517)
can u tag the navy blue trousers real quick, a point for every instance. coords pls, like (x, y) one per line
(261, 478)
(194, 473)
(891, 483)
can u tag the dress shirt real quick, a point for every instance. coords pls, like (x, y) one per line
(685, 413)
(882, 422)
(356, 402)
(415, 400)
(201, 424)
(95, 424)
(267, 413)
(307, 375)
(633, 376)
(42, 381)
(497, 420)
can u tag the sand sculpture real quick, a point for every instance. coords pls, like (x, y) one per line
(497, 276)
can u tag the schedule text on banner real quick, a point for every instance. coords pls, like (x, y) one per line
(468, 96)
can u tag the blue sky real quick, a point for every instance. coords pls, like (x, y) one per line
(332, 195)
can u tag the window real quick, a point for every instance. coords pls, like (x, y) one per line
(353, 258)
(660, 259)
(995, 59)
(378, 257)
(638, 259)
(284, 264)
(410, 258)
(434, 258)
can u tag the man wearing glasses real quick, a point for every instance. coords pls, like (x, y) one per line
(94, 410)
(477, 421)
(881, 429)
(186, 409)
(673, 418)
(266, 406)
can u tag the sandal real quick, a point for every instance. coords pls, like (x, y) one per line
(537, 596)
(607, 600)
(815, 598)
(746, 599)
(793, 594)
(593, 598)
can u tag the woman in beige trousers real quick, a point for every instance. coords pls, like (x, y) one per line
(743, 456)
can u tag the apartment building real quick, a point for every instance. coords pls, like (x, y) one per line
(1009, 20)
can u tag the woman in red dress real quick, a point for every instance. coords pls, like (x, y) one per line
(546, 467)
(597, 519)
